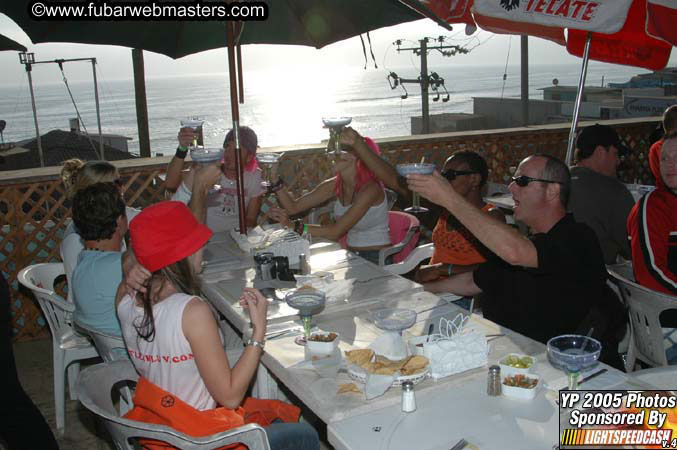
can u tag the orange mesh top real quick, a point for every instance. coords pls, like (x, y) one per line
(458, 246)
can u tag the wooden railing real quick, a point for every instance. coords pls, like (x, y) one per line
(35, 212)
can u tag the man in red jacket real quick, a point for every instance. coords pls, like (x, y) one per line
(652, 226)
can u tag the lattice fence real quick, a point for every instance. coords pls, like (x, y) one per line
(34, 217)
(35, 212)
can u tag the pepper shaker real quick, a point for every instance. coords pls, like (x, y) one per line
(408, 397)
(494, 381)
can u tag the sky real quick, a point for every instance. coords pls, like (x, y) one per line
(116, 62)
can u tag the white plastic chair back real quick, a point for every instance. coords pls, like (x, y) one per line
(109, 346)
(412, 260)
(644, 306)
(98, 382)
(68, 348)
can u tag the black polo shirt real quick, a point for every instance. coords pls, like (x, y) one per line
(554, 298)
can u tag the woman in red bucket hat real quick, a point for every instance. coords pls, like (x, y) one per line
(174, 343)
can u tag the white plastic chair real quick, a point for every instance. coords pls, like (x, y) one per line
(68, 348)
(644, 306)
(98, 382)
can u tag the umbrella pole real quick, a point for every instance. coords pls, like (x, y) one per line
(98, 110)
(235, 111)
(579, 97)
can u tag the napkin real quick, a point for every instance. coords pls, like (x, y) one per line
(334, 290)
(390, 345)
(377, 385)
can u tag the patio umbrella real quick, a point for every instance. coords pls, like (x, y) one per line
(8, 44)
(661, 16)
(315, 23)
(604, 30)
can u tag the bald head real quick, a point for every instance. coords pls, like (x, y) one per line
(670, 120)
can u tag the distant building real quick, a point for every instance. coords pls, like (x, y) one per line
(57, 146)
(117, 141)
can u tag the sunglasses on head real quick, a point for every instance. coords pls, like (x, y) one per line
(524, 180)
(451, 174)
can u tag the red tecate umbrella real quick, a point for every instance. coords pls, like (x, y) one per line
(612, 31)
(661, 17)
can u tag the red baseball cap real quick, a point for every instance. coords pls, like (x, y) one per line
(165, 233)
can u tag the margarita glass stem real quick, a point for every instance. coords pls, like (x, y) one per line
(573, 380)
(306, 325)
(416, 201)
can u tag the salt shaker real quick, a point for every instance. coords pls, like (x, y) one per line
(408, 397)
(494, 381)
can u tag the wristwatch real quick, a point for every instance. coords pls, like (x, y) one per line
(255, 343)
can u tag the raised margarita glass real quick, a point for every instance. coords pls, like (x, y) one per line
(418, 169)
(335, 126)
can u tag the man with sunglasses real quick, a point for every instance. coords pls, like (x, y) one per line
(550, 283)
(598, 199)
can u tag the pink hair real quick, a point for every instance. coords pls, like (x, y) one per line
(251, 166)
(364, 175)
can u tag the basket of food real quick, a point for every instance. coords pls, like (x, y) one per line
(362, 362)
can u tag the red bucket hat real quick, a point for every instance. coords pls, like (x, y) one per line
(165, 233)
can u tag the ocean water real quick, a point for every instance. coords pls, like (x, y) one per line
(284, 107)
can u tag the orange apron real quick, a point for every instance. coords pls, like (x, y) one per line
(155, 405)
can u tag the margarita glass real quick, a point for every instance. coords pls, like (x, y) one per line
(573, 353)
(418, 169)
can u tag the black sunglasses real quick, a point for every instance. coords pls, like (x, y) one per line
(524, 180)
(451, 174)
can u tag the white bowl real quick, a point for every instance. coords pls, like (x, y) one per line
(507, 370)
(322, 348)
(520, 392)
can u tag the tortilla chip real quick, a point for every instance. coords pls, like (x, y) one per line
(415, 364)
(348, 387)
(360, 356)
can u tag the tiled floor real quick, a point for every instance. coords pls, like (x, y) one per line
(34, 364)
(83, 431)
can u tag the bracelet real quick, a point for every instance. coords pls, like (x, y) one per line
(181, 152)
(255, 343)
(449, 268)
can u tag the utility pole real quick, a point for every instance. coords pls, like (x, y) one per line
(426, 81)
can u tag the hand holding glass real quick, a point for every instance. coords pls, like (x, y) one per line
(193, 123)
(267, 160)
(335, 126)
(418, 169)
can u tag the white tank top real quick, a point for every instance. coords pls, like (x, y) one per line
(372, 229)
(167, 361)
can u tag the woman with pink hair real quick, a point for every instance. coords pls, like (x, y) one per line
(360, 206)
(221, 203)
